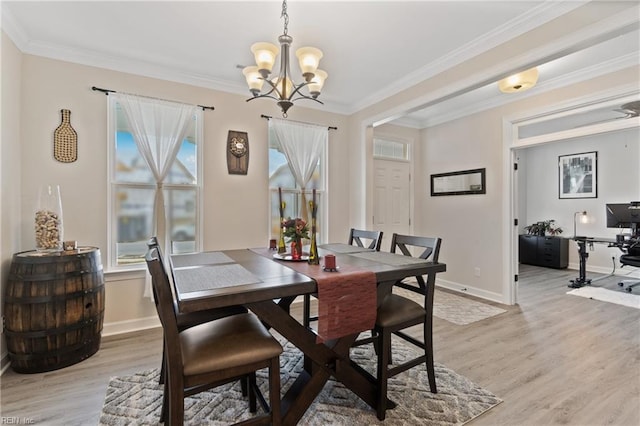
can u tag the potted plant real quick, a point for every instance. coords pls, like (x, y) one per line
(546, 227)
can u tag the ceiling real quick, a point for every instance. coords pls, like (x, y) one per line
(372, 49)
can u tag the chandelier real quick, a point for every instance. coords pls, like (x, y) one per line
(282, 88)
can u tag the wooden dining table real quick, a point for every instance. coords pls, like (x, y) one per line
(267, 287)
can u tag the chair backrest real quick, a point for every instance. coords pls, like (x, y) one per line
(356, 236)
(163, 298)
(632, 257)
(430, 246)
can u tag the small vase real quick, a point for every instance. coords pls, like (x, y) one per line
(296, 249)
(48, 219)
(314, 259)
(282, 248)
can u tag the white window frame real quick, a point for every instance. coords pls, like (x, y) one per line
(323, 217)
(112, 219)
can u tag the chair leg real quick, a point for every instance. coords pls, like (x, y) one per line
(306, 310)
(251, 380)
(428, 351)
(162, 368)
(274, 391)
(176, 403)
(243, 385)
(384, 337)
(165, 400)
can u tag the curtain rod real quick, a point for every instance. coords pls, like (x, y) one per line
(107, 91)
(268, 117)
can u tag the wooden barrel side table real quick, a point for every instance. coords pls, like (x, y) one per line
(54, 308)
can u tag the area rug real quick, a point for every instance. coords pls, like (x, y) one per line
(606, 295)
(455, 309)
(137, 399)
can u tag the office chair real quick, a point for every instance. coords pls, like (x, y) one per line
(631, 258)
(373, 239)
(212, 353)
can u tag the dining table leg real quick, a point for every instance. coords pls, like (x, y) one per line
(328, 360)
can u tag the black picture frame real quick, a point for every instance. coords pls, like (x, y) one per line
(578, 175)
(462, 182)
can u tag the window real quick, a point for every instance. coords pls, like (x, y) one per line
(386, 149)
(280, 176)
(133, 185)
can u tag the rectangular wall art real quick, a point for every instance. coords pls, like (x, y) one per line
(578, 175)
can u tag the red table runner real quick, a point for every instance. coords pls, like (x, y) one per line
(346, 298)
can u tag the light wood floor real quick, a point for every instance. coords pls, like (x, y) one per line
(554, 359)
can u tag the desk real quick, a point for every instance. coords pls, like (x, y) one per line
(582, 279)
(276, 281)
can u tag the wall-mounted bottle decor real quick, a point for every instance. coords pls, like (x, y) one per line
(65, 140)
(237, 152)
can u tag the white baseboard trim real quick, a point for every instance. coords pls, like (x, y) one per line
(464, 289)
(626, 272)
(128, 326)
(4, 363)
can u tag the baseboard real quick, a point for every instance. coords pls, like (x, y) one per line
(473, 291)
(128, 326)
(4, 363)
(627, 272)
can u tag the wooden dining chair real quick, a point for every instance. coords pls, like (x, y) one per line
(213, 353)
(373, 239)
(397, 313)
(187, 320)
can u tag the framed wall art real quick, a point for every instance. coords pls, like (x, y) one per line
(578, 175)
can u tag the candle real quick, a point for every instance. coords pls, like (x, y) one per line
(329, 262)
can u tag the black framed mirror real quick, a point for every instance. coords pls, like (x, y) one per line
(463, 182)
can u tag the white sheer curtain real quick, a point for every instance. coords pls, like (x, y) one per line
(302, 144)
(158, 128)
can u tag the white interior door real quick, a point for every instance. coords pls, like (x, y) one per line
(391, 202)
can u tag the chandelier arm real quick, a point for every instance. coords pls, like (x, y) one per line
(266, 95)
(274, 88)
(307, 97)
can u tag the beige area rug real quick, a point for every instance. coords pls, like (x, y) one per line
(137, 399)
(455, 309)
(606, 295)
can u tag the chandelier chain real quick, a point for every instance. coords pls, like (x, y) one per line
(285, 15)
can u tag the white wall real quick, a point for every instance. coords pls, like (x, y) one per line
(235, 206)
(10, 165)
(618, 182)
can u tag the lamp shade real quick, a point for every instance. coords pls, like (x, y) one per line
(315, 86)
(265, 54)
(309, 59)
(519, 82)
(253, 77)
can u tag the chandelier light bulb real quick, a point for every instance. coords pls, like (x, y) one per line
(309, 59)
(315, 86)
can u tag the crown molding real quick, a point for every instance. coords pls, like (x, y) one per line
(522, 24)
(603, 68)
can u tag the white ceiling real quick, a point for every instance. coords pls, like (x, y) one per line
(372, 49)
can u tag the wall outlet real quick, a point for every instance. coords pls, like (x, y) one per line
(476, 271)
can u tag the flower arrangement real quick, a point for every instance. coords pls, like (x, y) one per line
(295, 229)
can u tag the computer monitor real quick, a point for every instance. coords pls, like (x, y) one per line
(624, 216)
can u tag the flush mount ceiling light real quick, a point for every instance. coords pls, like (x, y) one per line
(282, 88)
(519, 82)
